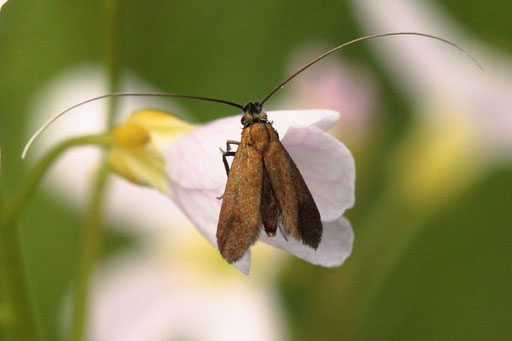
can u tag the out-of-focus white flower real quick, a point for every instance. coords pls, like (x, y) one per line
(132, 208)
(437, 77)
(146, 295)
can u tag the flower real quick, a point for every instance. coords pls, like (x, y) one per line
(464, 122)
(145, 295)
(438, 77)
(336, 84)
(128, 207)
(197, 178)
(135, 153)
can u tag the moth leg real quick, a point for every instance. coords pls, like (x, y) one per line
(282, 232)
(225, 160)
(229, 143)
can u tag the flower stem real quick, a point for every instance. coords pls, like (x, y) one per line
(92, 234)
(17, 313)
(111, 54)
(19, 321)
(11, 212)
(92, 240)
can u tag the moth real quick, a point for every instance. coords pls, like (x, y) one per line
(264, 190)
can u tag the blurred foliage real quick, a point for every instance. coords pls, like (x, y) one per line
(454, 280)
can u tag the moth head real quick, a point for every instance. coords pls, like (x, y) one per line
(253, 113)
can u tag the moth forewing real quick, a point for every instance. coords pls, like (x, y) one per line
(271, 215)
(300, 215)
(239, 221)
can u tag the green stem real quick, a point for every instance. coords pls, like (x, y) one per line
(92, 233)
(92, 241)
(15, 206)
(18, 316)
(111, 56)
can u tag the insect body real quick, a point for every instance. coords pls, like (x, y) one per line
(264, 189)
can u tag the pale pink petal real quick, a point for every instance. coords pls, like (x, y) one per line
(335, 247)
(196, 158)
(327, 166)
(202, 207)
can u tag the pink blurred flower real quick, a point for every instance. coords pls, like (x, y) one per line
(343, 86)
(437, 77)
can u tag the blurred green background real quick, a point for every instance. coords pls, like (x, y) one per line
(451, 280)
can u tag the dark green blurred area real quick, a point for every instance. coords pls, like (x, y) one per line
(453, 282)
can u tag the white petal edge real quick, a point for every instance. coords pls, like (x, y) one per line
(195, 160)
(335, 247)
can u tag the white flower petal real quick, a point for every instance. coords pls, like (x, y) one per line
(325, 163)
(335, 247)
(202, 207)
(424, 65)
(283, 119)
(327, 166)
(199, 161)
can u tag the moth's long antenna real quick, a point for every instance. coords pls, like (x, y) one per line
(358, 40)
(120, 94)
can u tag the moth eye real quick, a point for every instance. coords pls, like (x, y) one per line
(242, 120)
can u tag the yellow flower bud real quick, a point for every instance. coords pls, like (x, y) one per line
(138, 143)
(130, 135)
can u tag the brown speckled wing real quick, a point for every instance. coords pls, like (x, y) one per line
(299, 213)
(239, 221)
